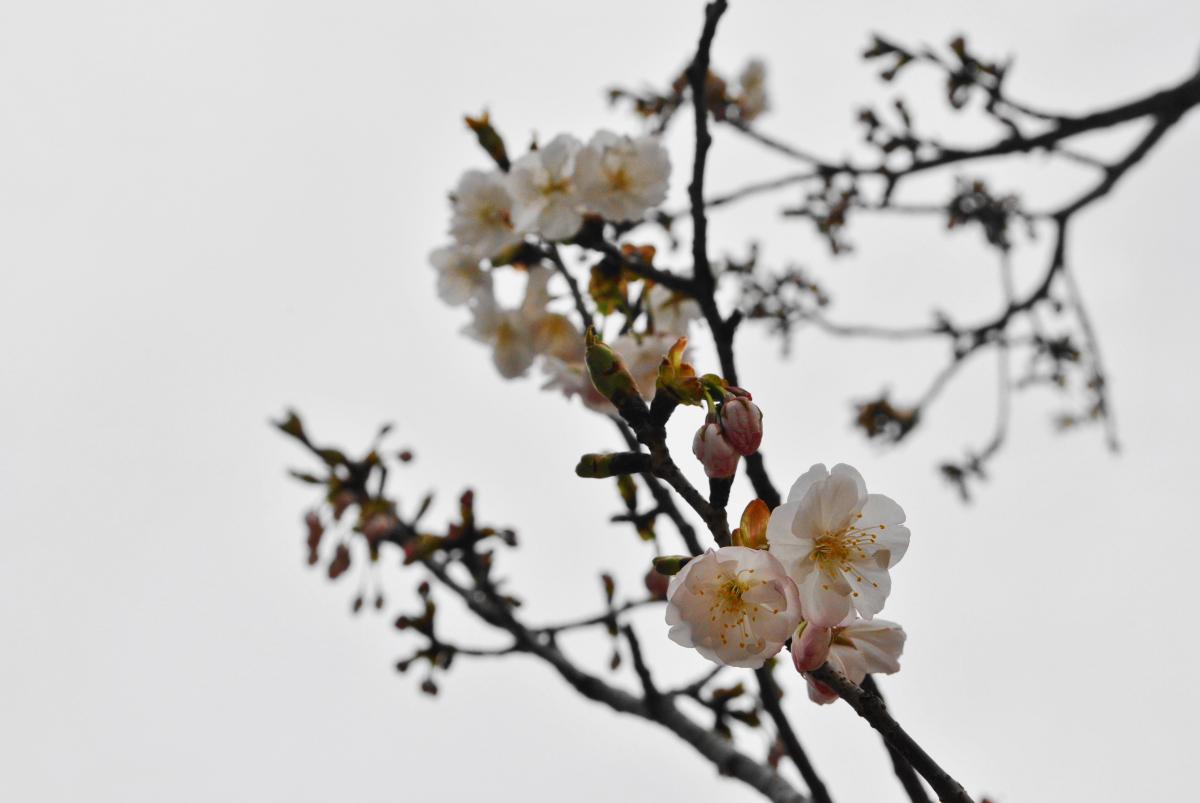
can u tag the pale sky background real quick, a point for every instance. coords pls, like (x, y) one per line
(210, 211)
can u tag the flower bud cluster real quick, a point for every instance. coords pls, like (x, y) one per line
(506, 216)
(732, 430)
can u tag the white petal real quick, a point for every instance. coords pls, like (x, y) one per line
(824, 600)
(841, 497)
(894, 541)
(872, 584)
(800, 487)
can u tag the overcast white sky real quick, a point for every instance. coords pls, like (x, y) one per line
(209, 211)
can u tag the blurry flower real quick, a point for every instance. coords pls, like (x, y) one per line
(514, 333)
(753, 100)
(621, 178)
(838, 542)
(673, 312)
(482, 217)
(858, 649)
(735, 606)
(543, 190)
(459, 274)
(714, 451)
(741, 422)
(555, 336)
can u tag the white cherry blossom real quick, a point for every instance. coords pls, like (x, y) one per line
(482, 216)
(753, 100)
(621, 178)
(838, 542)
(542, 185)
(459, 274)
(517, 335)
(673, 312)
(735, 606)
(860, 648)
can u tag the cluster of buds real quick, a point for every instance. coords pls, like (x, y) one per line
(732, 430)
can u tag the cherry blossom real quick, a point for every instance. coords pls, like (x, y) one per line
(735, 606)
(753, 100)
(673, 312)
(459, 274)
(838, 542)
(622, 178)
(859, 648)
(482, 217)
(541, 182)
(517, 336)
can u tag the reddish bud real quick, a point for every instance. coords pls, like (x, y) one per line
(818, 692)
(340, 563)
(741, 421)
(716, 453)
(315, 530)
(656, 584)
(810, 646)
(378, 526)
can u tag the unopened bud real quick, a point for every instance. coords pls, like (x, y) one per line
(714, 452)
(741, 421)
(819, 693)
(669, 565)
(810, 646)
(656, 584)
(752, 531)
(608, 372)
(599, 466)
(489, 139)
(378, 526)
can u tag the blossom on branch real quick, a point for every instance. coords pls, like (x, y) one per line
(459, 276)
(542, 185)
(857, 649)
(735, 606)
(519, 335)
(482, 217)
(837, 543)
(752, 101)
(673, 312)
(620, 178)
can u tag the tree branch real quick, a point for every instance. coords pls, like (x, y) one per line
(871, 708)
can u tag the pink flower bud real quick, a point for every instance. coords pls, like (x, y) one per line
(712, 449)
(741, 421)
(657, 584)
(810, 646)
(819, 693)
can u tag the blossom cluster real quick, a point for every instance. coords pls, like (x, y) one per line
(815, 571)
(545, 197)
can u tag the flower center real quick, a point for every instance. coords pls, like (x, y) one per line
(732, 613)
(836, 552)
(557, 186)
(496, 216)
(619, 179)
